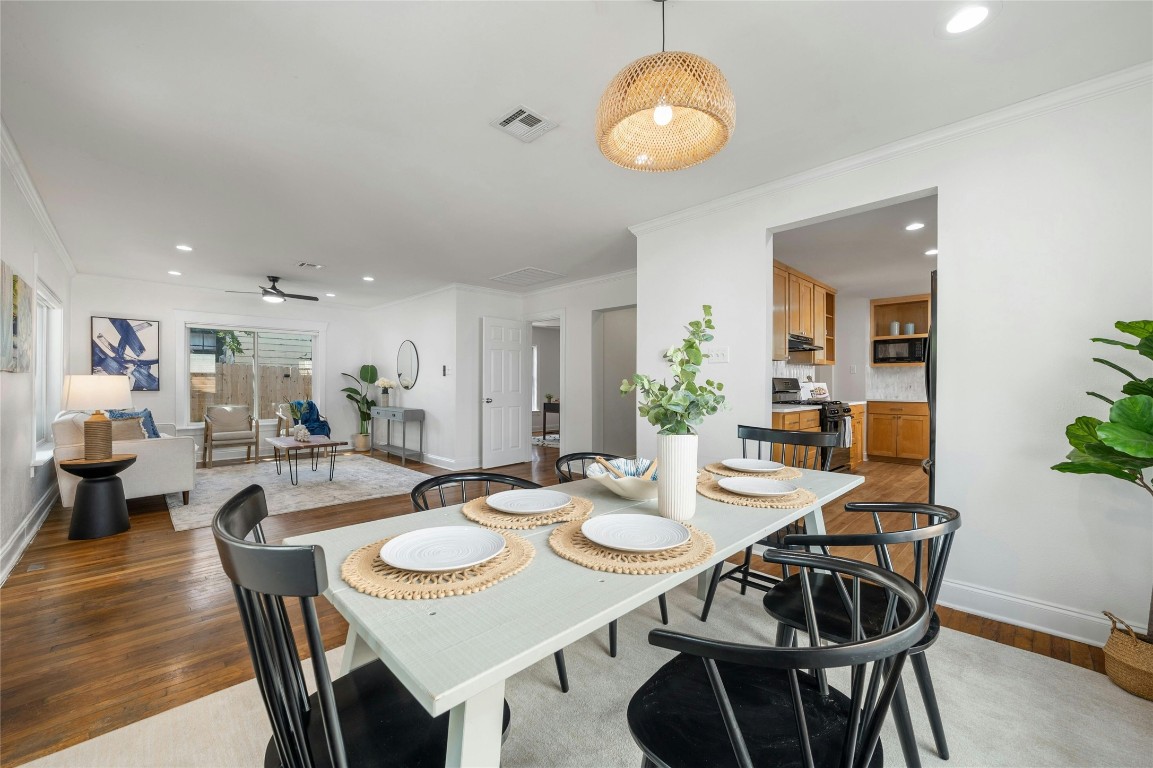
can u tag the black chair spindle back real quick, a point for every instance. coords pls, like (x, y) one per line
(460, 484)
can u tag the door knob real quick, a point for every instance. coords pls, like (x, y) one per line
(488, 399)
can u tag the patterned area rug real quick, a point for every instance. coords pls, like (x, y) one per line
(551, 439)
(356, 478)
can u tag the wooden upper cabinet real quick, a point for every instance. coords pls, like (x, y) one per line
(824, 324)
(800, 306)
(780, 314)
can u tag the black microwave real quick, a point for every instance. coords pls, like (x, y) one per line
(899, 351)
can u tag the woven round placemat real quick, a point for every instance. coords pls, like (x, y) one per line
(787, 473)
(367, 573)
(479, 511)
(568, 542)
(801, 498)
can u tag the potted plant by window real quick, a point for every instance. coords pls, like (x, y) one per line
(677, 409)
(358, 396)
(1122, 447)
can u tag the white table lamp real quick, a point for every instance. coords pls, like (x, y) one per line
(97, 393)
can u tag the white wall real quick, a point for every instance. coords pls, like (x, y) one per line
(576, 303)
(618, 344)
(547, 343)
(27, 488)
(1045, 239)
(429, 321)
(852, 348)
(346, 339)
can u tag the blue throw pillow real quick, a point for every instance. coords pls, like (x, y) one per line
(143, 414)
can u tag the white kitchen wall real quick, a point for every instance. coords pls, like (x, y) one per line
(27, 486)
(1044, 235)
(852, 369)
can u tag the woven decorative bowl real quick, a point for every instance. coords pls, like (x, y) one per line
(631, 486)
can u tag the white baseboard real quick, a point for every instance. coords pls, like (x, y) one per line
(1053, 619)
(453, 464)
(14, 547)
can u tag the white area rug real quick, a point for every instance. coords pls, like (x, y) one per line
(356, 478)
(1002, 706)
(552, 438)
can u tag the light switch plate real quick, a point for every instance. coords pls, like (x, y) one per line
(717, 355)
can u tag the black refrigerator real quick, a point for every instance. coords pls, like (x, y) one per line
(931, 388)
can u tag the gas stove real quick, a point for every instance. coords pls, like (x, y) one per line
(808, 402)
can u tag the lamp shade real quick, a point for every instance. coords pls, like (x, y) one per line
(703, 113)
(93, 393)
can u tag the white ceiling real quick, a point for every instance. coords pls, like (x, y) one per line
(869, 254)
(356, 134)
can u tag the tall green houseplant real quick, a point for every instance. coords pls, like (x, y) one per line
(1121, 447)
(358, 395)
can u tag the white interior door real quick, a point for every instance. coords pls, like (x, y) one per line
(506, 409)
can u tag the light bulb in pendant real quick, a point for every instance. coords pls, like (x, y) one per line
(663, 114)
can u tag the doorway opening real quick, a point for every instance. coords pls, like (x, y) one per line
(614, 358)
(546, 388)
(854, 309)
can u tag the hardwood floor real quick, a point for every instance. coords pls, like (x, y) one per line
(99, 634)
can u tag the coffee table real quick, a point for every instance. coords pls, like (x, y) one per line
(292, 448)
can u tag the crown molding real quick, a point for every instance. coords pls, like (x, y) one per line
(1106, 85)
(10, 156)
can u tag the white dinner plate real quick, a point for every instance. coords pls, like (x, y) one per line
(752, 465)
(444, 548)
(756, 486)
(635, 533)
(530, 501)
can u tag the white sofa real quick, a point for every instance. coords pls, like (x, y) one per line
(165, 464)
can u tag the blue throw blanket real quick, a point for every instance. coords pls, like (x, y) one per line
(310, 418)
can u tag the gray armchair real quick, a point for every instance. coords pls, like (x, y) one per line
(230, 425)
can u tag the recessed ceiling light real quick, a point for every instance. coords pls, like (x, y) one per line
(915, 226)
(174, 272)
(330, 295)
(367, 279)
(931, 252)
(966, 18)
(183, 247)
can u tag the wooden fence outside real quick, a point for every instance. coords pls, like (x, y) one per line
(232, 384)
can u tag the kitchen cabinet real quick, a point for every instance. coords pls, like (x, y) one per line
(904, 311)
(805, 307)
(803, 421)
(897, 430)
(780, 314)
(857, 449)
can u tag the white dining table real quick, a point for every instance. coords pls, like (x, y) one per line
(454, 654)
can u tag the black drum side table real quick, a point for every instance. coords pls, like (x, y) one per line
(100, 509)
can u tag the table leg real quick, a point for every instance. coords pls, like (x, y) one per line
(474, 729)
(815, 523)
(331, 464)
(276, 458)
(316, 460)
(357, 653)
(293, 460)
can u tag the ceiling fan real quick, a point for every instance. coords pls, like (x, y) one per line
(274, 295)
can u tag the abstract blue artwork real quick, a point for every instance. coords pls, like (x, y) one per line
(122, 347)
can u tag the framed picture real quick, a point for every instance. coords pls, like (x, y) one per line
(15, 322)
(123, 347)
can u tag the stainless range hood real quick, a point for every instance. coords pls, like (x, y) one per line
(799, 343)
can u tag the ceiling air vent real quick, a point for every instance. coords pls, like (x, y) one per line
(527, 276)
(523, 123)
(309, 265)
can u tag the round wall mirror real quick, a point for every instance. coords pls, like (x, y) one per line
(407, 365)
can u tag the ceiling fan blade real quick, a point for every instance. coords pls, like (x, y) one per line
(252, 292)
(299, 296)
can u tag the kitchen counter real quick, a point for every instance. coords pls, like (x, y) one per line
(795, 408)
(896, 400)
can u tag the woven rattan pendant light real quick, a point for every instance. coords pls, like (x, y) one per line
(703, 112)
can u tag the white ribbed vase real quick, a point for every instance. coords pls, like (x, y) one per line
(677, 476)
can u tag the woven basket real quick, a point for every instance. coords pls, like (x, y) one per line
(1129, 661)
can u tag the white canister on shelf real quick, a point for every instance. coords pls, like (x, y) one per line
(910, 329)
(895, 328)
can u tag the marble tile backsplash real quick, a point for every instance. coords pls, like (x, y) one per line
(784, 369)
(895, 383)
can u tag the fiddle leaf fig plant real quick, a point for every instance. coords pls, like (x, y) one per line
(679, 407)
(358, 395)
(1121, 447)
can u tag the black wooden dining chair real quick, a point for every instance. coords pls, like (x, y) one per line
(364, 718)
(925, 529)
(565, 473)
(721, 701)
(459, 487)
(806, 450)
